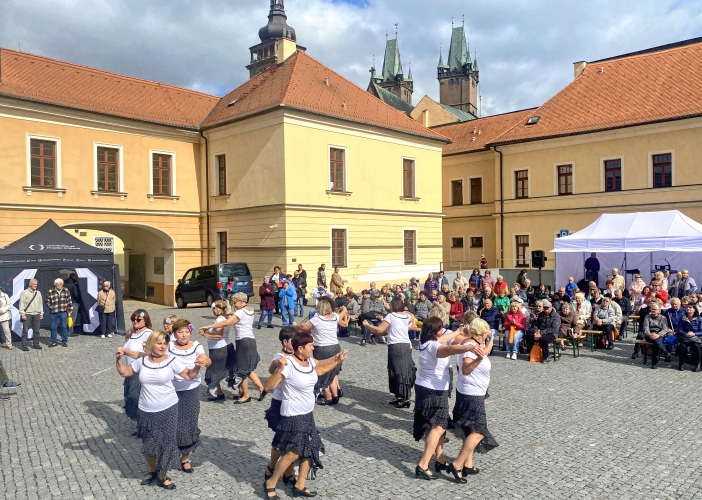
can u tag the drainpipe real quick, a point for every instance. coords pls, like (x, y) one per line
(207, 193)
(502, 212)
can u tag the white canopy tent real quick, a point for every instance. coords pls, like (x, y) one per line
(641, 240)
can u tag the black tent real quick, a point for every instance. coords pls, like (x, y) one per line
(48, 253)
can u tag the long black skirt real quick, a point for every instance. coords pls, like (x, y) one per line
(188, 435)
(431, 407)
(159, 438)
(401, 370)
(469, 416)
(272, 414)
(247, 358)
(299, 435)
(320, 354)
(132, 389)
(223, 359)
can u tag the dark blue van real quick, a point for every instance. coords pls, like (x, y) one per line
(209, 283)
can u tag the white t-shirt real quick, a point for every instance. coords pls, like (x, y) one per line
(432, 372)
(475, 384)
(136, 344)
(187, 357)
(298, 390)
(397, 332)
(243, 329)
(157, 391)
(224, 341)
(278, 391)
(324, 331)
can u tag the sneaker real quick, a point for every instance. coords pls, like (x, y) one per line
(53, 344)
(10, 384)
(509, 355)
(10, 346)
(109, 335)
(362, 343)
(514, 355)
(212, 392)
(102, 336)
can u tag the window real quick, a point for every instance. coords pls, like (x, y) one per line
(108, 169)
(662, 170)
(337, 169)
(410, 244)
(43, 163)
(456, 242)
(613, 175)
(161, 167)
(456, 193)
(106, 243)
(521, 183)
(221, 162)
(476, 190)
(565, 179)
(338, 247)
(408, 178)
(222, 246)
(476, 242)
(522, 242)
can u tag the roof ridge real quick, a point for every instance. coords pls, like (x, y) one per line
(668, 47)
(292, 75)
(111, 73)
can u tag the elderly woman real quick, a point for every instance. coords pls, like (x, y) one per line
(474, 279)
(603, 318)
(487, 279)
(655, 328)
(469, 415)
(268, 298)
(106, 306)
(541, 293)
(569, 321)
(221, 351)
(514, 325)
(636, 287)
(690, 338)
(437, 311)
(500, 285)
(136, 336)
(455, 311)
(431, 409)
(336, 282)
(660, 278)
(158, 404)
(445, 291)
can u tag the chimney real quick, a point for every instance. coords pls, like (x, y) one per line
(426, 117)
(578, 68)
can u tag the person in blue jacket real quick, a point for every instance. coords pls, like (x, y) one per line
(287, 299)
(675, 315)
(491, 315)
(690, 337)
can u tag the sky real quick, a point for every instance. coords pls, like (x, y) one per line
(525, 49)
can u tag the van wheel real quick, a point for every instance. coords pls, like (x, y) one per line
(210, 299)
(180, 302)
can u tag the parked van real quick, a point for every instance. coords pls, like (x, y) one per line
(209, 283)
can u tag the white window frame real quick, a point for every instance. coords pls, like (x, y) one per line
(151, 171)
(347, 188)
(218, 255)
(414, 178)
(470, 191)
(118, 147)
(215, 173)
(57, 140)
(416, 245)
(671, 152)
(114, 243)
(463, 191)
(603, 179)
(528, 250)
(514, 182)
(331, 247)
(555, 180)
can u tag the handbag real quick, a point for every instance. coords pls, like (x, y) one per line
(536, 355)
(512, 332)
(615, 334)
(70, 322)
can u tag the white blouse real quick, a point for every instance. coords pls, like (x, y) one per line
(243, 329)
(136, 344)
(432, 372)
(398, 331)
(324, 331)
(224, 341)
(187, 357)
(157, 391)
(298, 391)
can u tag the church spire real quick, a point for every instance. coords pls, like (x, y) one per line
(277, 26)
(278, 41)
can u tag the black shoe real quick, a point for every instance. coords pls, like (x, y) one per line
(148, 479)
(160, 482)
(404, 404)
(667, 358)
(696, 369)
(221, 397)
(258, 326)
(635, 355)
(470, 471)
(547, 360)
(25, 348)
(424, 474)
(680, 368)
(269, 326)
(53, 344)
(187, 471)
(654, 366)
(303, 493)
(362, 343)
(610, 347)
(395, 401)
(262, 396)
(341, 393)
(439, 467)
(64, 344)
(289, 479)
(456, 477)
(38, 346)
(268, 490)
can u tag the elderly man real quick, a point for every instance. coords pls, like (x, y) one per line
(655, 328)
(686, 285)
(106, 305)
(60, 305)
(570, 288)
(603, 318)
(625, 306)
(31, 309)
(460, 282)
(372, 311)
(617, 279)
(431, 284)
(675, 317)
(491, 315)
(549, 327)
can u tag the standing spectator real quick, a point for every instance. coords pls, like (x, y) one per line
(618, 280)
(321, 276)
(483, 262)
(625, 306)
(300, 292)
(336, 284)
(686, 285)
(549, 329)
(31, 312)
(6, 382)
(106, 305)
(521, 279)
(71, 284)
(474, 280)
(59, 303)
(431, 284)
(443, 280)
(460, 282)
(276, 277)
(592, 269)
(487, 280)
(231, 288)
(267, 294)
(288, 297)
(5, 318)
(303, 278)
(570, 288)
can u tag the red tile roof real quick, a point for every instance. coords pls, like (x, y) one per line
(36, 78)
(651, 86)
(299, 83)
(465, 140)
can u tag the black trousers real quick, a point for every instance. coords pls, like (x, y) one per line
(693, 345)
(656, 348)
(625, 323)
(544, 342)
(33, 322)
(529, 339)
(608, 331)
(107, 323)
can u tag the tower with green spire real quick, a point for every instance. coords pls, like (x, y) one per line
(458, 77)
(392, 78)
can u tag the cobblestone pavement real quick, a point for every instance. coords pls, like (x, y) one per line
(600, 426)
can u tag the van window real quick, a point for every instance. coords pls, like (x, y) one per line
(188, 276)
(206, 273)
(239, 269)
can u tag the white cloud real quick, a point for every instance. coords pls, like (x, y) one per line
(525, 49)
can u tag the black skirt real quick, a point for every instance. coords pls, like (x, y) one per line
(247, 358)
(272, 414)
(159, 438)
(430, 408)
(132, 390)
(320, 354)
(223, 359)
(299, 435)
(401, 370)
(188, 435)
(469, 416)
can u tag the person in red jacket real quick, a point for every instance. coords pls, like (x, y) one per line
(657, 292)
(267, 293)
(514, 318)
(456, 312)
(499, 285)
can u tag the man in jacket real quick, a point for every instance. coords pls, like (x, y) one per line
(570, 288)
(322, 276)
(491, 315)
(431, 284)
(655, 327)
(686, 285)
(303, 279)
(5, 319)
(549, 327)
(675, 325)
(60, 303)
(603, 318)
(460, 282)
(31, 310)
(617, 279)
(625, 306)
(300, 292)
(372, 311)
(288, 297)
(422, 307)
(106, 305)
(443, 280)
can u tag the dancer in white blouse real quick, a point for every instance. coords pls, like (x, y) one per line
(221, 351)
(135, 338)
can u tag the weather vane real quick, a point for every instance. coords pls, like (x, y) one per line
(396, 30)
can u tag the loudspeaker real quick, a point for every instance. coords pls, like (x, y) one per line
(538, 259)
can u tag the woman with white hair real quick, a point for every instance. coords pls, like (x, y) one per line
(106, 306)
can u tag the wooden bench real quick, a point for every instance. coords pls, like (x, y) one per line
(645, 344)
(558, 346)
(592, 334)
(635, 321)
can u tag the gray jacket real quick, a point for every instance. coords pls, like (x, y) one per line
(421, 309)
(352, 308)
(36, 306)
(657, 325)
(371, 307)
(606, 314)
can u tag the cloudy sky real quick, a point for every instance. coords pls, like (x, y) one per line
(525, 48)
